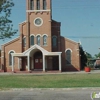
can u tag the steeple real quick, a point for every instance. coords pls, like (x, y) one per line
(39, 20)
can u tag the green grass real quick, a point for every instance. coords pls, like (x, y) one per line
(50, 81)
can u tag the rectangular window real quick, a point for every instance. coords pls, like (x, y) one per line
(24, 42)
(31, 4)
(44, 4)
(38, 4)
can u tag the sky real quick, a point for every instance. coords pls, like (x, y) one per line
(80, 21)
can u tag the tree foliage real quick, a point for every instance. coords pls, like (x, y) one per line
(83, 58)
(88, 55)
(97, 55)
(6, 26)
(89, 59)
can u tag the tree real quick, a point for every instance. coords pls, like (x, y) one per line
(83, 58)
(88, 55)
(6, 26)
(90, 59)
(97, 55)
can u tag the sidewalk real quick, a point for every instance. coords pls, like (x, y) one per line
(50, 73)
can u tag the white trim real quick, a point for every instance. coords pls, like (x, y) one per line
(44, 35)
(41, 21)
(9, 41)
(60, 62)
(27, 52)
(11, 51)
(32, 35)
(23, 22)
(28, 62)
(18, 63)
(24, 37)
(18, 55)
(70, 40)
(53, 53)
(38, 35)
(38, 10)
(44, 63)
(12, 64)
(68, 49)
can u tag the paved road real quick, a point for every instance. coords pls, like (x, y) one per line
(48, 94)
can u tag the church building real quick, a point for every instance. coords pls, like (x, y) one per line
(40, 46)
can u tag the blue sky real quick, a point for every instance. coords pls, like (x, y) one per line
(80, 20)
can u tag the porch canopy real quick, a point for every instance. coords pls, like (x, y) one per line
(34, 48)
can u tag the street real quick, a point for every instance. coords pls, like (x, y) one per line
(48, 94)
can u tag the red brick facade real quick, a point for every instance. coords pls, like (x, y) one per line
(49, 28)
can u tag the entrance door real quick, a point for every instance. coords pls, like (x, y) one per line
(55, 63)
(38, 60)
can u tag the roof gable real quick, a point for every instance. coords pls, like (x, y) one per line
(35, 47)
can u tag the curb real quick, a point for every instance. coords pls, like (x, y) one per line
(51, 89)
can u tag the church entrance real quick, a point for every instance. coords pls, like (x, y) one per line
(38, 61)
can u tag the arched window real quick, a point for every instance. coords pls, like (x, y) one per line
(10, 58)
(54, 41)
(31, 40)
(24, 42)
(44, 4)
(31, 4)
(38, 40)
(68, 57)
(44, 40)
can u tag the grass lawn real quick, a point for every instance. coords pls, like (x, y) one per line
(50, 81)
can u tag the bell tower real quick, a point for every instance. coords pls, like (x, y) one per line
(38, 21)
(38, 4)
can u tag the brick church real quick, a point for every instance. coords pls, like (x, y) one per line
(40, 47)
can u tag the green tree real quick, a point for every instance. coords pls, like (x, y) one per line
(6, 26)
(97, 55)
(88, 55)
(83, 58)
(89, 59)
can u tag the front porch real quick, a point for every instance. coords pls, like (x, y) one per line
(37, 59)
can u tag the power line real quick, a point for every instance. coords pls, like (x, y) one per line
(84, 37)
